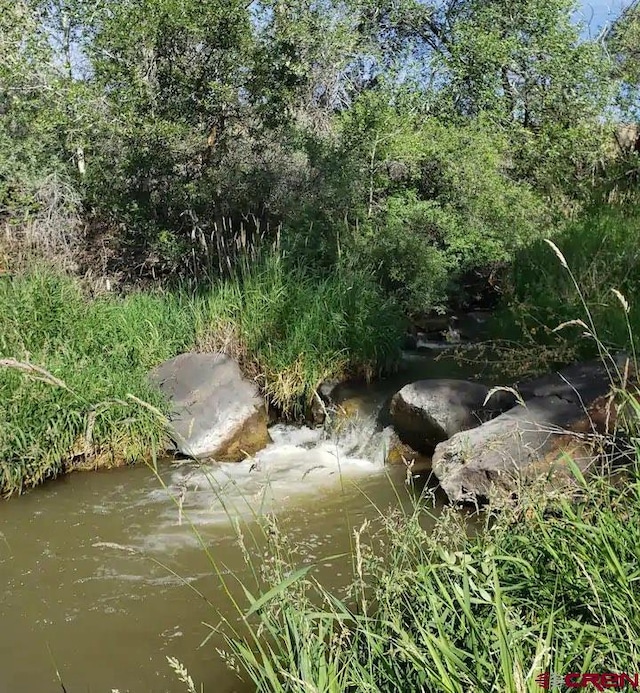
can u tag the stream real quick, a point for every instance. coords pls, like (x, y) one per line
(99, 568)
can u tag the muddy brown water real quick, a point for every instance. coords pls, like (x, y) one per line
(98, 570)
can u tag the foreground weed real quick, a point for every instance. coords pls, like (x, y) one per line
(542, 587)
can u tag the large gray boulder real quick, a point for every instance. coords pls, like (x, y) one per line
(518, 446)
(427, 412)
(216, 412)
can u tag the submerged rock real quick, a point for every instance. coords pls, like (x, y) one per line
(315, 412)
(400, 453)
(216, 412)
(428, 412)
(523, 444)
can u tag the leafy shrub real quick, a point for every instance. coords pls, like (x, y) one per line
(433, 202)
(602, 249)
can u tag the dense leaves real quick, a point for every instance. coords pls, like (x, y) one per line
(624, 43)
(419, 138)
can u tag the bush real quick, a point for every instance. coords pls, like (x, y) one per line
(602, 249)
(420, 201)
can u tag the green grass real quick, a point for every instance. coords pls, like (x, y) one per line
(294, 329)
(289, 328)
(602, 248)
(101, 351)
(546, 586)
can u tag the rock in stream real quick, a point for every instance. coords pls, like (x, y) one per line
(516, 447)
(216, 412)
(428, 412)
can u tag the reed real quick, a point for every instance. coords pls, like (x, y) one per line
(292, 329)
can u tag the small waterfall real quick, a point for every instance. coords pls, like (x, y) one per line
(300, 462)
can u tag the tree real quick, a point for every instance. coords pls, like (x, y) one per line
(305, 67)
(173, 76)
(623, 41)
(41, 111)
(520, 63)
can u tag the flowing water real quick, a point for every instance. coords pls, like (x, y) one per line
(100, 570)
